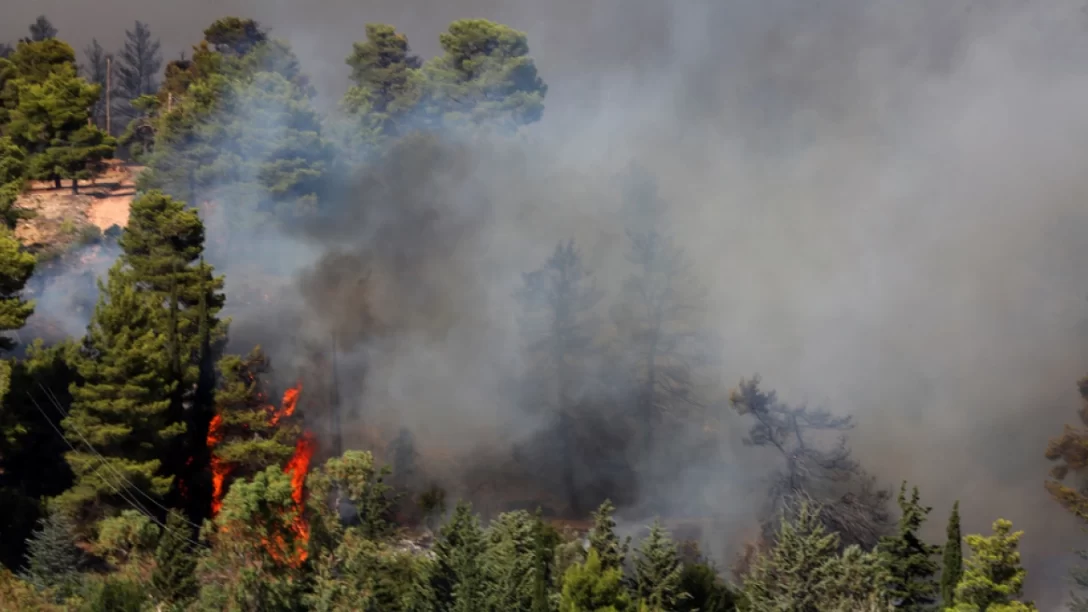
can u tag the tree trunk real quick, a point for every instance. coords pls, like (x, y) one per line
(56, 182)
(75, 186)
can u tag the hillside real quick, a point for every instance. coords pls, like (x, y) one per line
(63, 219)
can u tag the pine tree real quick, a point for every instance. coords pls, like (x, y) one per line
(952, 561)
(558, 327)
(120, 414)
(42, 29)
(161, 249)
(908, 559)
(1067, 451)
(458, 579)
(53, 559)
(13, 172)
(138, 66)
(173, 579)
(95, 71)
(51, 120)
(387, 84)
(602, 538)
(590, 587)
(805, 573)
(251, 430)
(655, 318)
(16, 267)
(485, 75)
(992, 577)
(658, 571)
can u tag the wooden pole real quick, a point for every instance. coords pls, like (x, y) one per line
(109, 90)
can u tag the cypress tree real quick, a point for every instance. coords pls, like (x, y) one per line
(541, 566)
(658, 571)
(952, 561)
(909, 560)
(174, 578)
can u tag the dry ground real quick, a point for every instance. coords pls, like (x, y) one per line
(63, 219)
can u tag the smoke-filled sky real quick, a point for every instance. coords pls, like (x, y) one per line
(885, 199)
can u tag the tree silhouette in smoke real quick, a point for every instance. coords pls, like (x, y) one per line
(558, 326)
(850, 503)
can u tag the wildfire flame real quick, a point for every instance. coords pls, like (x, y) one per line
(297, 467)
(221, 469)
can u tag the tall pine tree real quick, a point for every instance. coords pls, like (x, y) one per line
(162, 249)
(909, 560)
(120, 421)
(952, 560)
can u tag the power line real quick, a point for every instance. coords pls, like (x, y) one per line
(60, 410)
(118, 491)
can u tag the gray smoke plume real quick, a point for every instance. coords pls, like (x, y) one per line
(883, 198)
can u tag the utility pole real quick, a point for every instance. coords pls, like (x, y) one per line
(109, 91)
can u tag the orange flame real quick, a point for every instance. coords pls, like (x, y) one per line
(290, 401)
(298, 467)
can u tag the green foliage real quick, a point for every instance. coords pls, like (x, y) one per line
(173, 579)
(20, 595)
(805, 573)
(126, 536)
(512, 562)
(590, 587)
(53, 560)
(248, 441)
(241, 128)
(119, 420)
(366, 576)
(459, 575)
(658, 572)
(250, 564)
(992, 577)
(113, 593)
(51, 121)
(352, 484)
(603, 539)
(909, 560)
(387, 84)
(484, 76)
(13, 170)
(952, 559)
(16, 266)
(706, 590)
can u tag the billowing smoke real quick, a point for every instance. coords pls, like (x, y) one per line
(884, 200)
